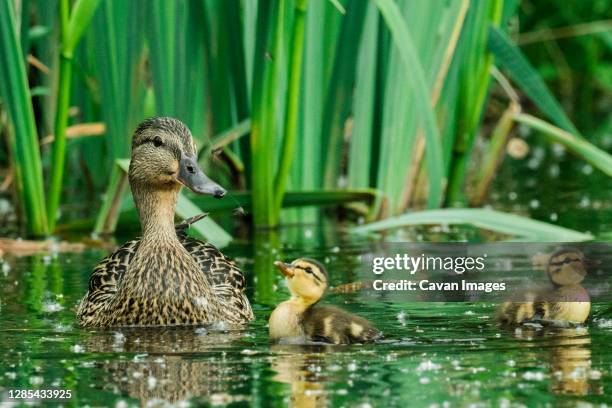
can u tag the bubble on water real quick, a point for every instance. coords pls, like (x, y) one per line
(6, 268)
(554, 170)
(77, 348)
(604, 323)
(335, 249)
(587, 169)
(62, 328)
(424, 380)
(36, 380)
(342, 391)
(534, 376)
(221, 325)
(334, 367)
(534, 203)
(511, 363)
(121, 404)
(558, 150)
(51, 307)
(11, 375)
(595, 374)
(512, 195)
(554, 217)
(469, 313)
(249, 352)
(428, 366)
(308, 233)
(401, 317)
(533, 163)
(352, 367)
(151, 382)
(584, 202)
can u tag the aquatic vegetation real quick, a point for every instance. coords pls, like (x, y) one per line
(389, 102)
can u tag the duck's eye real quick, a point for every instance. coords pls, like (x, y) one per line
(308, 269)
(157, 142)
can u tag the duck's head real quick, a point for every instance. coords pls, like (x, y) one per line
(567, 266)
(306, 278)
(164, 157)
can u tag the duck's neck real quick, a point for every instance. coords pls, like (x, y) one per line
(302, 302)
(156, 212)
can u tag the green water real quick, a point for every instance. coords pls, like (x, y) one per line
(434, 353)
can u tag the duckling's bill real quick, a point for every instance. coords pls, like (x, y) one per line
(285, 268)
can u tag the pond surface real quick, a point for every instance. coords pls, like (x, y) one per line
(434, 354)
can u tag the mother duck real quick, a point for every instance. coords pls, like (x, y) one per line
(165, 278)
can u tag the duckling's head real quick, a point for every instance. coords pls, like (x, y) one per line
(566, 267)
(306, 278)
(164, 157)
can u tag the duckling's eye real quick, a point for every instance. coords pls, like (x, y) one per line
(308, 269)
(157, 142)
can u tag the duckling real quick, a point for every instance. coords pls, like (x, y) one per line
(301, 316)
(165, 278)
(567, 302)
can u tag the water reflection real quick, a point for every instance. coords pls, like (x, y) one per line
(299, 366)
(568, 359)
(163, 364)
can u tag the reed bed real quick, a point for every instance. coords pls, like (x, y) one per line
(382, 102)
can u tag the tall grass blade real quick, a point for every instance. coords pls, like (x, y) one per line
(360, 148)
(473, 77)
(340, 90)
(118, 33)
(73, 26)
(266, 75)
(576, 144)
(417, 79)
(293, 99)
(510, 58)
(23, 139)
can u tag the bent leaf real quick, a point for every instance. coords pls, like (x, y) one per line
(504, 223)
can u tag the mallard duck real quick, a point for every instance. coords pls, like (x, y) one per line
(302, 317)
(564, 303)
(165, 277)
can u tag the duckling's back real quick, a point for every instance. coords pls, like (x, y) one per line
(333, 325)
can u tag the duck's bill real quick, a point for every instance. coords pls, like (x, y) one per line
(192, 177)
(286, 269)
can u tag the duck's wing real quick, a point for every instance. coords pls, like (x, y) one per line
(226, 278)
(103, 281)
(333, 325)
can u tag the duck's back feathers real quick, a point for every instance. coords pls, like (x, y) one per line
(103, 283)
(333, 325)
(226, 279)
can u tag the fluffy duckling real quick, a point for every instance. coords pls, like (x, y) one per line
(567, 302)
(301, 316)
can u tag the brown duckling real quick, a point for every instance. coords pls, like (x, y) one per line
(301, 316)
(566, 302)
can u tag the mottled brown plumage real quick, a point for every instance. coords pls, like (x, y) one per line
(302, 316)
(165, 277)
(565, 302)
